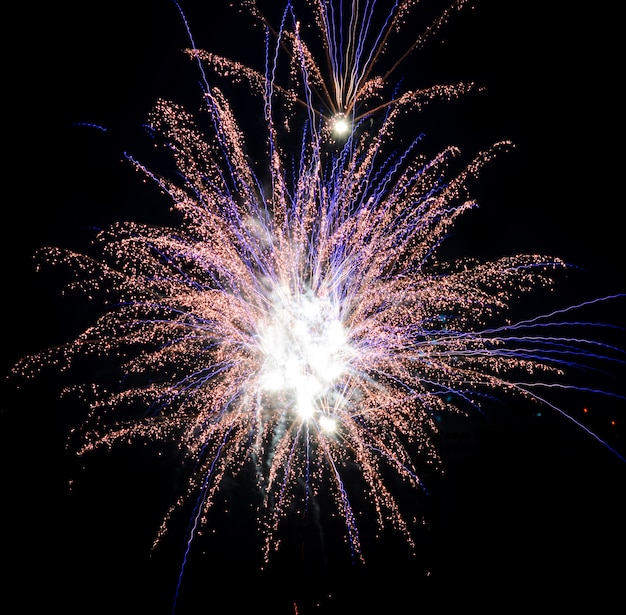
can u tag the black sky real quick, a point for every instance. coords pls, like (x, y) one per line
(530, 511)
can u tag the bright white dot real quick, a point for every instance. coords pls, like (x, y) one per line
(341, 126)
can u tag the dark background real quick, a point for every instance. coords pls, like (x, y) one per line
(530, 509)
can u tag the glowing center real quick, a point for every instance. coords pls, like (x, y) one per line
(305, 353)
(340, 125)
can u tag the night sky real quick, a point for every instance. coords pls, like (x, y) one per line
(530, 509)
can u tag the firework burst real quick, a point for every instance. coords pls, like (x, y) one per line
(353, 80)
(299, 324)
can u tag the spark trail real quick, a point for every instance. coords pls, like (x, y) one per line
(299, 324)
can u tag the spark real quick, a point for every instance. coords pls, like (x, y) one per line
(340, 126)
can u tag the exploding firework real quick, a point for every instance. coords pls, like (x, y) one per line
(298, 324)
(352, 82)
